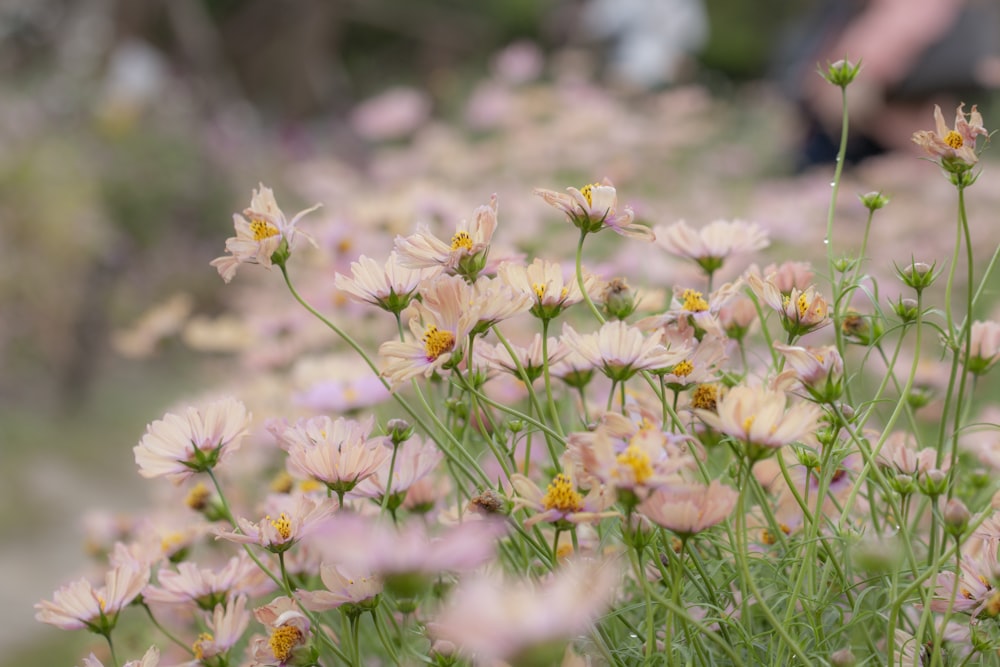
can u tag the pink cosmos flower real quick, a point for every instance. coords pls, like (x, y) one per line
(343, 587)
(490, 618)
(226, 628)
(561, 503)
(259, 237)
(761, 417)
(391, 287)
(688, 508)
(498, 357)
(364, 545)
(975, 596)
(291, 518)
(820, 370)
(205, 587)
(338, 453)
(957, 144)
(711, 245)
(801, 311)
(79, 605)
(594, 207)
(899, 452)
(150, 659)
(984, 346)
(288, 630)
(621, 350)
(550, 290)
(465, 254)
(179, 446)
(416, 458)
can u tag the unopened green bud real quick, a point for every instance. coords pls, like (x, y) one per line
(905, 309)
(619, 299)
(933, 483)
(918, 275)
(841, 73)
(919, 396)
(844, 264)
(873, 201)
(903, 484)
(398, 430)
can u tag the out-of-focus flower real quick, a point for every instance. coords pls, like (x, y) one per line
(277, 533)
(392, 114)
(984, 346)
(621, 350)
(489, 618)
(262, 233)
(150, 659)
(899, 453)
(465, 254)
(288, 631)
(544, 282)
(179, 446)
(416, 458)
(688, 508)
(391, 287)
(343, 587)
(957, 144)
(79, 605)
(204, 587)
(227, 625)
(712, 244)
(338, 453)
(975, 596)
(594, 207)
(761, 419)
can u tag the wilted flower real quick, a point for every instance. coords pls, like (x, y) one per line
(957, 146)
(258, 239)
(594, 207)
(179, 446)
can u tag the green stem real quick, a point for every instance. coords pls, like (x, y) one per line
(579, 279)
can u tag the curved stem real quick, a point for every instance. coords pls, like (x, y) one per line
(579, 279)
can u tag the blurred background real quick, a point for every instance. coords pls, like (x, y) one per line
(130, 130)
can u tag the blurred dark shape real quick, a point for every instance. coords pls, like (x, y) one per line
(914, 54)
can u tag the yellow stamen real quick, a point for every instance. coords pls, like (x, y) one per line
(693, 301)
(262, 229)
(282, 524)
(171, 541)
(437, 342)
(803, 305)
(308, 485)
(953, 139)
(199, 645)
(197, 497)
(683, 369)
(747, 423)
(638, 461)
(539, 290)
(561, 495)
(282, 483)
(705, 396)
(587, 190)
(461, 240)
(284, 640)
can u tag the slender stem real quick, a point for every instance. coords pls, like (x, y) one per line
(166, 633)
(579, 279)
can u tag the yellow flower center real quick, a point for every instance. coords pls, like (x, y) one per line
(953, 139)
(693, 301)
(282, 482)
(170, 541)
(539, 290)
(636, 459)
(461, 240)
(747, 423)
(199, 645)
(262, 229)
(802, 303)
(197, 497)
(437, 342)
(309, 485)
(284, 640)
(561, 495)
(683, 369)
(282, 524)
(705, 396)
(587, 191)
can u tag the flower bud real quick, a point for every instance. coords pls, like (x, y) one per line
(844, 264)
(956, 517)
(398, 430)
(843, 658)
(918, 275)
(873, 201)
(919, 396)
(619, 299)
(841, 73)
(933, 483)
(903, 484)
(905, 309)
